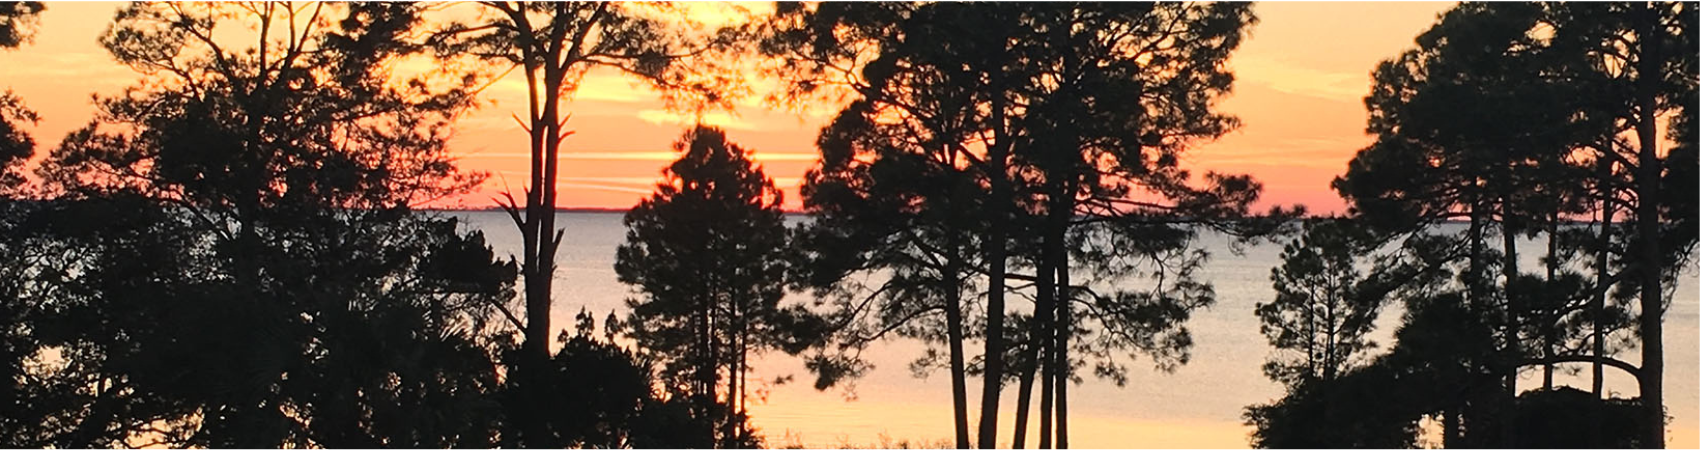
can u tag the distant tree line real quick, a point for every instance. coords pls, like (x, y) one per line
(229, 254)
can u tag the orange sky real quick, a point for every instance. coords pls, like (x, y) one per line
(1302, 76)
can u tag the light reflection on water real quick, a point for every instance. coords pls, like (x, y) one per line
(1199, 405)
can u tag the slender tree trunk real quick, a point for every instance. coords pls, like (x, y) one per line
(1513, 328)
(1548, 325)
(1024, 395)
(1064, 322)
(1041, 335)
(953, 323)
(997, 158)
(707, 376)
(1597, 310)
(1451, 423)
(729, 429)
(538, 304)
(1478, 256)
(1602, 286)
(1064, 299)
(743, 380)
(1047, 389)
(535, 349)
(1647, 222)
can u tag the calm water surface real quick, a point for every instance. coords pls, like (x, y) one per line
(1198, 405)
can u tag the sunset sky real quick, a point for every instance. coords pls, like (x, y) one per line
(1302, 77)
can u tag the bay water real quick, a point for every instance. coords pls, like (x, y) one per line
(1199, 405)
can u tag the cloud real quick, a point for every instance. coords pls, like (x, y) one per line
(718, 119)
(598, 85)
(644, 156)
(1290, 78)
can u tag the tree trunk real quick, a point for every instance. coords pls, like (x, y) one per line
(1603, 282)
(1047, 390)
(1647, 222)
(1473, 273)
(1037, 352)
(997, 157)
(1042, 333)
(1548, 334)
(537, 273)
(729, 430)
(953, 323)
(1513, 343)
(707, 373)
(1065, 322)
(1602, 288)
(1024, 395)
(1453, 419)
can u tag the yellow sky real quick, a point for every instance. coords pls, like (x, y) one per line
(1302, 76)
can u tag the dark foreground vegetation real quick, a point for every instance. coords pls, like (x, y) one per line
(229, 254)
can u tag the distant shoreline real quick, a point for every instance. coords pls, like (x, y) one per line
(592, 210)
(559, 210)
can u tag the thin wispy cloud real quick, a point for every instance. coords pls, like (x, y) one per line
(644, 156)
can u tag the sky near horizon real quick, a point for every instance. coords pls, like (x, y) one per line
(1301, 75)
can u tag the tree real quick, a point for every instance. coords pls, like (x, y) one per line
(708, 252)
(1050, 123)
(17, 27)
(17, 21)
(1563, 87)
(1117, 94)
(605, 395)
(1629, 54)
(1320, 310)
(1365, 407)
(1338, 394)
(554, 45)
(898, 187)
(239, 227)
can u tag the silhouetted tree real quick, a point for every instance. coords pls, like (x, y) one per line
(1320, 310)
(1637, 66)
(1119, 93)
(1052, 123)
(707, 251)
(18, 21)
(17, 345)
(1338, 395)
(17, 27)
(1568, 418)
(1363, 407)
(1553, 90)
(898, 192)
(603, 395)
(554, 45)
(243, 266)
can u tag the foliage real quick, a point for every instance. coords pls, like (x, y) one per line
(238, 226)
(18, 21)
(1571, 418)
(556, 44)
(707, 251)
(1362, 408)
(17, 26)
(1323, 307)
